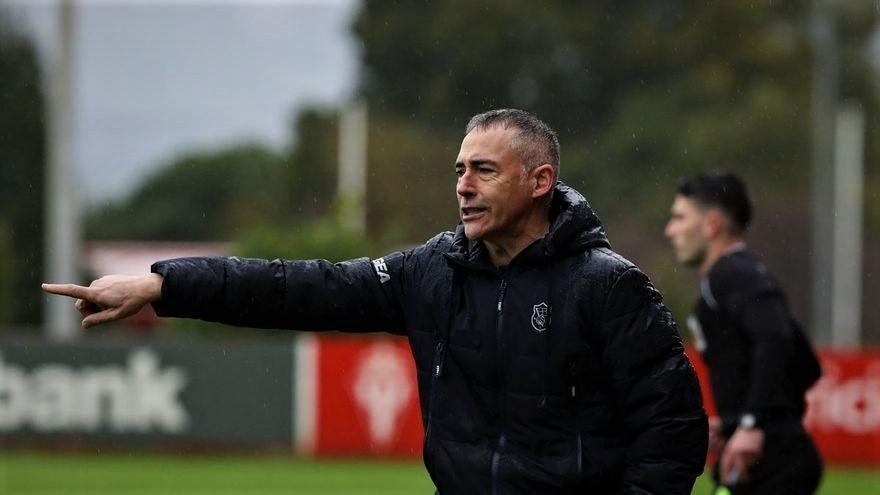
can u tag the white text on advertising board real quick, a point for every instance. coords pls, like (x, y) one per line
(138, 398)
(850, 405)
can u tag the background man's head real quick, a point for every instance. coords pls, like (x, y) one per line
(507, 167)
(711, 208)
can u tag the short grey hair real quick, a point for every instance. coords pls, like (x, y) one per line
(536, 142)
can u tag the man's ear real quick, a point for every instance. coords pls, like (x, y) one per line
(715, 223)
(543, 178)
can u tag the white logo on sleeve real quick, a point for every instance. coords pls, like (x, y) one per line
(381, 270)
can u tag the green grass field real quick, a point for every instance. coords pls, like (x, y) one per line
(74, 474)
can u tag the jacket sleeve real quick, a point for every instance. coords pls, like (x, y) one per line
(760, 311)
(656, 389)
(359, 295)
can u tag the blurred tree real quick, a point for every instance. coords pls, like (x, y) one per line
(656, 89)
(22, 164)
(7, 273)
(641, 93)
(411, 183)
(310, 175)
(320, 238)
(201, 196)
(220, 195)
(569, 62)
(223, 195)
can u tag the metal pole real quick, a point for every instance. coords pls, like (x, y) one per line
(825, 91)
(62, 209)
(352, 182)
(846, 329)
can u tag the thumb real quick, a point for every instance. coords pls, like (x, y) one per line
(100, 318)
(725, 464)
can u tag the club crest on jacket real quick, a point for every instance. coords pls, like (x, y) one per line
(540, 317)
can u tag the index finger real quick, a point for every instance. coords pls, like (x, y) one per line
(70, 290)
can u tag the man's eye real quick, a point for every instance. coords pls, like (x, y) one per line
(459, 172)
(485, 170)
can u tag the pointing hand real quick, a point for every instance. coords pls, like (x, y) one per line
(110, 298)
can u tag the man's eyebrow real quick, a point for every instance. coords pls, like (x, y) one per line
(477, 162)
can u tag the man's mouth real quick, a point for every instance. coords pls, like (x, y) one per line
(472, 212)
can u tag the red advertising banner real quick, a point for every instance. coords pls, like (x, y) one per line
(703, 374)
(366, 398)
(843, 408)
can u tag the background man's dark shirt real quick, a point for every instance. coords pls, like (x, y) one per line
(758, 357)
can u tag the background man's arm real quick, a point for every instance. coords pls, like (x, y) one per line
(765, 320)
(760, 311)
(656, 387)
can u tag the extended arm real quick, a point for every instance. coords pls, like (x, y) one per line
(301, 294)
(295, 294)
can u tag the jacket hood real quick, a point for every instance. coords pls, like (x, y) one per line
(574, 227)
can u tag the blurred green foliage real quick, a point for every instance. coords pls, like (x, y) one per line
(641, 93)
(201, 196)
(322, 238)
(7, 273)
(411, 183)
(22, 165)
(226, 193)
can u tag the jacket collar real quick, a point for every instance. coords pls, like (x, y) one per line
(574, 227)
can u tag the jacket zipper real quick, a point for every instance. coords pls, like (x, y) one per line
(496, 456)
(438, 371)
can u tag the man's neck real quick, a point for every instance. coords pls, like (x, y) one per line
(502, 251)
(718, 249)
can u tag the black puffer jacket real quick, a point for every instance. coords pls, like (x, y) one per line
(561, 373)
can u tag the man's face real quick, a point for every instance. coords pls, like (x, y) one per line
(686, 231)
(493, 194)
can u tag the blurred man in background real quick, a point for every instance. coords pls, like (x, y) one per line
(546, 362)
(760, 362)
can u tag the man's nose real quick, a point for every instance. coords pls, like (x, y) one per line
(465, 185)
(668, 231)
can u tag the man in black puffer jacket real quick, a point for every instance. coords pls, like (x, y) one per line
(546, 362)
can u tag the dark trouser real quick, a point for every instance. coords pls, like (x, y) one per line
(790, 465)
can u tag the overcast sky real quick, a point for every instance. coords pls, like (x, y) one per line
(155, 79)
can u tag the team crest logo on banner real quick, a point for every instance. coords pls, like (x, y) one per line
(540, 317)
